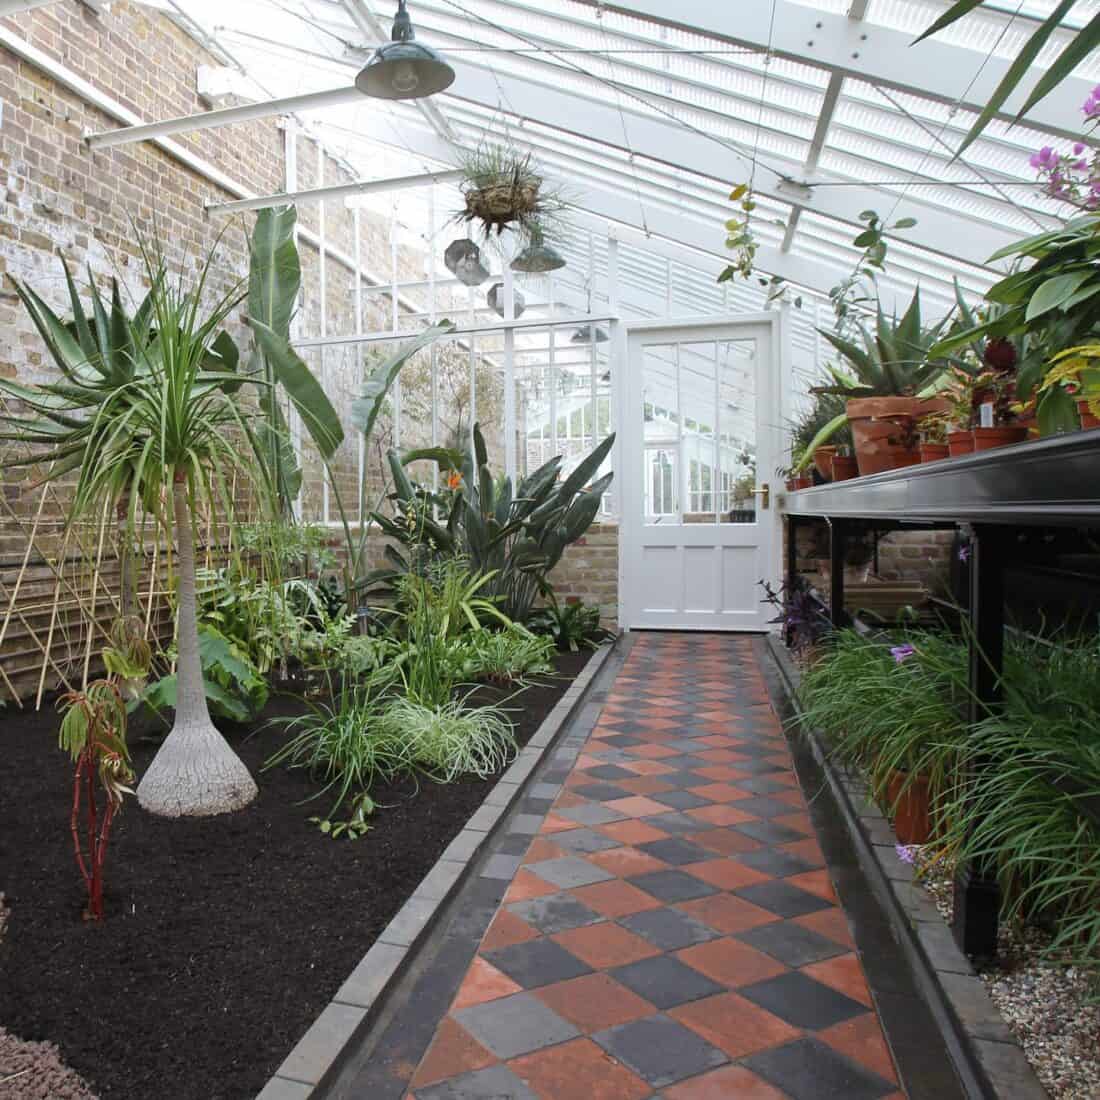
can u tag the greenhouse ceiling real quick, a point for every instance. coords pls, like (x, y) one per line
(827, 109)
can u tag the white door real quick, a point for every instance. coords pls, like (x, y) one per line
(700, 443)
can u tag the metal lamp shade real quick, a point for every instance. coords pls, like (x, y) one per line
(496, 300)
(403, 68)
(463, 260)
(583, 335)
(537, 259)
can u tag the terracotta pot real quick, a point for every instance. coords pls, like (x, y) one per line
(932, 452)
(790, 485)
(883, 430)
(1087, 419)
(844, 467)
(823, 461)
(985, 439)
(803, 481)
(911, 808)
(959, 443)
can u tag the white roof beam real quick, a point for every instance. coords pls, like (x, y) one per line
(867, 52)
(336, 191)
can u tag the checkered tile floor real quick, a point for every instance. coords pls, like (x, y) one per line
(672, 931)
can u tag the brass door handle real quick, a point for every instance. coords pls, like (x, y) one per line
(764, 493)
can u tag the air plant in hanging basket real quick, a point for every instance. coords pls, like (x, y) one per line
(504, 189)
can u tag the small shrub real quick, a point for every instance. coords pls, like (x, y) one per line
(571, 625)
(507, 656)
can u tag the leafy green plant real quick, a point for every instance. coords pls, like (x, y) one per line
(93, 732)
(507, 656)
(515, 538)
(825, 420)
(235, 690)
(570, 625)
(449, 739)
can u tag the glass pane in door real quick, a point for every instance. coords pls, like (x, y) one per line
(736, 472)
(699, 404)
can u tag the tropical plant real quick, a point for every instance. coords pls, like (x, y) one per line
(804, 618)
(514, 538)
(129, 657)
(571, 625)
(504, 189)
(507, 656)
(825, 419)
(93, 732)
(235, 690)
(1079, 46)
(1077, 372)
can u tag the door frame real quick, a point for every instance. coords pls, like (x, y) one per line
(772, 395)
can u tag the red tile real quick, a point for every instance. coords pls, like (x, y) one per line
(453, 1051)
(731, 962)
(844, 974)
(644, 784)
(721, 815)
(646, 767)
(578, 1070)
(730, 1082)
(651, 752)
(527, 885)
(734, 1024)
(615, 899)
(728, 914)
(726, 841)
(721, 792)
(605, 945)
(594, 1002)
(720, 773)
(556, 824)
(567, 800)
(540, 848)
(794, 797)
(814, 882)
(483, 982)
(507, 929)
(862, 1040)
(726, 874)
(809, 850)
(798, 821)
(636, 806)
(831, 923)
(718, 756)
(625, 862)
(632, 832)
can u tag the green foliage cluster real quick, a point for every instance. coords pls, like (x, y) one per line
(570, 625)
(1019, 792)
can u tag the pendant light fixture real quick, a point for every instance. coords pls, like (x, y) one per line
(463, 260)
(404, 68)
(495, 298)
(583, 335)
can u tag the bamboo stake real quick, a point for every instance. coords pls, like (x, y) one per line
(23, 567)
(49, 636)
(95, 586)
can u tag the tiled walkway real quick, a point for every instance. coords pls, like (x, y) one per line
(672, 931)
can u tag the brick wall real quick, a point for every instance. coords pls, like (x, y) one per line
(589, 571)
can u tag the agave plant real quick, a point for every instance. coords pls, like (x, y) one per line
(517, 536)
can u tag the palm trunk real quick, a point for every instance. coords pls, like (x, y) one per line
(195, 773)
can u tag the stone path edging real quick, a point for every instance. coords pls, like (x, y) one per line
(317, 1055)
(988, 1059)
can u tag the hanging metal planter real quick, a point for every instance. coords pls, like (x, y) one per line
(463, 260)
(538, 258)
(495, 299)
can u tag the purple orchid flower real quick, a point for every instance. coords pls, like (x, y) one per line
(902, 653)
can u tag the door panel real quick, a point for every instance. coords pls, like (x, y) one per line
(698, 424)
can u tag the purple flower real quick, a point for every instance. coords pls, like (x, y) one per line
(1081, 165)
(964, 553)
(907, 853)
(901, 652)
(1078, 148)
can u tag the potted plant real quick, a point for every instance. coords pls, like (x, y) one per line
(1076, 371)
(504, 189)
(996, 406)
(889, 373)
(827, 409)
(844, 465)
(933, 437)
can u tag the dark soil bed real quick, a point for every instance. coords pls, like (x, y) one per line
(224, 936)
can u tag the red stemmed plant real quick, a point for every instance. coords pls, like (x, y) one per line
(93, 731)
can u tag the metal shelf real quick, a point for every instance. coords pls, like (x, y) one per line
(1046, 482)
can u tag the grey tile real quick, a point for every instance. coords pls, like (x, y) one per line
(676, 823)
(610, 771)
(974, 1008)
(463, 847)
(660, 1050)
(673, 886)
(555, 913)
(569, 871)
(495, 1083)
(485, 818)
(537, 963)
(782, 898)
(684, 780)
(411, 920)
(769, 832)
(676, 850)
(762, 806)
(687, 744)
(665, 981)
(371, 976)
(525, 824)
(600, 792)
(440, 880)
(502, 867)
(510, 1026)
(790, 943)
(802, 1002)
(592, 813)
(774, 862)
(278, 1088)
(807, 1069)
(584, 840)
(680, 800)
(668, 929)
(762, 785)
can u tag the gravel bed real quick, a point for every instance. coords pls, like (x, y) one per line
(34, 1071)
(1054, 1011)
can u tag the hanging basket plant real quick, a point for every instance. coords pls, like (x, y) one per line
(504, 189)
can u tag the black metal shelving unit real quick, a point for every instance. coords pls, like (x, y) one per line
(990, 496)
